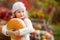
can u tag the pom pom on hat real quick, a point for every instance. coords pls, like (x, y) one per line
(18, 5)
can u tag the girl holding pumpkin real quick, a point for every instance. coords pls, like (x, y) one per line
(19, 11)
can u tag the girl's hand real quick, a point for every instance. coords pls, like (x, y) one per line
(17, 33)
(10, 32)
(36, 32)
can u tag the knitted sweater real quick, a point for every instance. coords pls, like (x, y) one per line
(26, 31)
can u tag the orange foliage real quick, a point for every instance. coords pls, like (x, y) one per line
(41, 15)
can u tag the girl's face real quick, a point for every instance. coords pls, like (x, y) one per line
(19, 13)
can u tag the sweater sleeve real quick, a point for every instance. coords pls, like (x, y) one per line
(29, 28)
(4, 30)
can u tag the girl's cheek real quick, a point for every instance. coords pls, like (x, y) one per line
(17, 15)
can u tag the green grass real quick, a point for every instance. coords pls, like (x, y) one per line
(57, 32)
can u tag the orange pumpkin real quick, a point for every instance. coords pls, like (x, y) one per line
(15, 24)
(0, 28)
(48, 37)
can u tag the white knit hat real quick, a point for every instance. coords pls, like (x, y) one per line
(18, 5)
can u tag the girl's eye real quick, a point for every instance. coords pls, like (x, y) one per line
(22, 11)
(19, 12)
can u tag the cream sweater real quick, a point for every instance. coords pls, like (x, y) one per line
(26, 31)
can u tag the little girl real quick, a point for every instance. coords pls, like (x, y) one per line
(19, 11)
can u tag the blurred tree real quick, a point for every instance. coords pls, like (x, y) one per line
(56, 15)
(57, 0)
